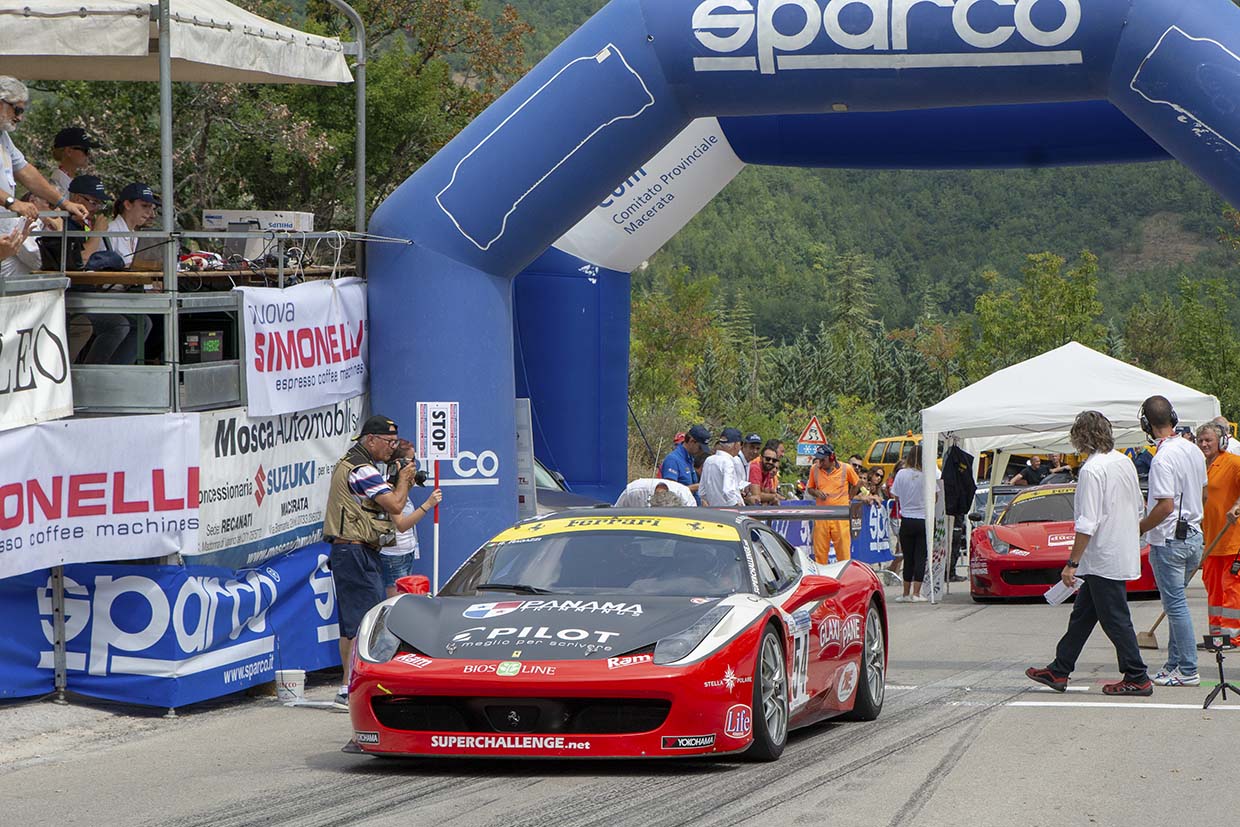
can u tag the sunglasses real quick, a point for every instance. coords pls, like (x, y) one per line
(17, 110)
(770, 459)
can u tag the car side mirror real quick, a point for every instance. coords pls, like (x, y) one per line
(413, 584)
(976, 516)
(813, 587)
(558, 477)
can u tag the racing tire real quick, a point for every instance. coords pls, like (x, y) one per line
(770, 699)
(872, 682)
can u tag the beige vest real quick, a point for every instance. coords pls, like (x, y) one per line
(347, 519)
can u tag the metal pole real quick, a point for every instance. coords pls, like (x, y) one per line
(359, 153)
(172, 322)
(58, 632)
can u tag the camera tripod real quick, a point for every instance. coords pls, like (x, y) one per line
(1217, 644)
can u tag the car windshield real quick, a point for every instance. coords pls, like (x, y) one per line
(544, 479)
(611, 562)
(1043, 508)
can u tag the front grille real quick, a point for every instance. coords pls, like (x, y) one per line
(1032, 577)
(576, 716)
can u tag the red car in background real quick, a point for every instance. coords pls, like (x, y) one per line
(1023, 554)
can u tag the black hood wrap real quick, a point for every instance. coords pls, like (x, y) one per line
(494, 626)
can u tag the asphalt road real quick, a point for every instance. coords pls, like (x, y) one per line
(964, 738)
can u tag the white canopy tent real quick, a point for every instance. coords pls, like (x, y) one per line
(1032, 405)
(211, 41)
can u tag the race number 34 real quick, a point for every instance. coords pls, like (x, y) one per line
(439, 430)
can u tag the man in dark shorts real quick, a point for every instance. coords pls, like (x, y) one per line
(364, 513)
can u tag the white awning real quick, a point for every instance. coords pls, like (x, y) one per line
(211, 40)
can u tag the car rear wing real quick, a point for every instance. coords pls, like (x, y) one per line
(771, 513)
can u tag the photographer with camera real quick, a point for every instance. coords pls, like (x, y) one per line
(398, 559)
(364, 514)
(1172, 527)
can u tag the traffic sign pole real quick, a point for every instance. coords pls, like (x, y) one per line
(435, 541)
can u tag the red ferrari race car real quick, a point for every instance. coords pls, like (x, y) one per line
(628, 633)
(1025, 552)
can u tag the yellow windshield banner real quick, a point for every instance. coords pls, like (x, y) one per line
(1045, 492)
(658, 525)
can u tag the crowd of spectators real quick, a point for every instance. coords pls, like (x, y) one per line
(31, 240)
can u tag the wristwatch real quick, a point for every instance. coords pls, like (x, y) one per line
(9, 201)
(1072, 565)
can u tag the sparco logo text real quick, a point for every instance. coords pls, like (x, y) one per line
(770, 35)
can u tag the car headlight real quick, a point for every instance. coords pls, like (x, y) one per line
(377, 644)
(674, 647)
(999, 546)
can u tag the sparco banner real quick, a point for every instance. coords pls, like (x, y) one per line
(170, 635)
(264, 479)
(34, 359)
(98, 489)
(305, 345)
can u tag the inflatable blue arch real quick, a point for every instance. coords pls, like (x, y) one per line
(526, 225)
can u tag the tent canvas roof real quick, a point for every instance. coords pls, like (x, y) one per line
(211, 41)
(1035, 402)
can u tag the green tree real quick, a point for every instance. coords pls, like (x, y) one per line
(1046, 309)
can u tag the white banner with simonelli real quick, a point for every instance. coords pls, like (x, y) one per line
(34, 359)
(305, 346)
(94, 490)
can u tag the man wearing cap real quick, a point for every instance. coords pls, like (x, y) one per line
(722, 477)
(678, 465)
(750, 448)
(364, 514)
(831, 483)
(71, 150)
(88, 191)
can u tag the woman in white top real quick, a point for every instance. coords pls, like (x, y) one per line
(123, 340)
(911, 500)
(134, 209)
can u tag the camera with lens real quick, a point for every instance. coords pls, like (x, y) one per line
(398, 465)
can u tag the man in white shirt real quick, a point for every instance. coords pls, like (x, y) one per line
(71, 150)
(1105, 554)
(1172, 527)
(722, 475)
(638, 493)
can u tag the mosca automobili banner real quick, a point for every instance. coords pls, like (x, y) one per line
(98, 489)
(305, 346)
(34, 359)
(265, 478)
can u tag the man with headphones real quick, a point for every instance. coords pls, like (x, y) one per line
(1172, 527)
(1220, 572)
(1231, 446)
(832, 483)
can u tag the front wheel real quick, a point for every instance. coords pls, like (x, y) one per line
(872, 685)
(770, 700)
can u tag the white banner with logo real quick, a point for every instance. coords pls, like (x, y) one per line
(94, 490)
(34, 359)
(661, 196)
(265, 478)
(305, 346)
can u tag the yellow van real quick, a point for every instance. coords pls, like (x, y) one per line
(885, 452)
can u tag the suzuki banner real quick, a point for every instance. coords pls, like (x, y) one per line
(34, 359)
(265, 478)
(88, 490)
(305, 345)
(170, 636)
(873, 543)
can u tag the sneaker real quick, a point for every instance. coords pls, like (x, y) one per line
(917, 598)
(341, 703)
(1047, 678)
(1127, 687)
(1176, 678)
(903, 598)
(956, 578)
(1160, 675)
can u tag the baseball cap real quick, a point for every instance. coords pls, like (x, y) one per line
(700, 434)
(378, 425)
(75, 136)
(754, 439)
(138, 192)
(824, 451)
(89, 185)
(730, 435)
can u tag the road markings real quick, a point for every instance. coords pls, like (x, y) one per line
(1122, 705)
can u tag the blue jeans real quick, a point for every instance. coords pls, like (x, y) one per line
(395, 567)
(1173, 564)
